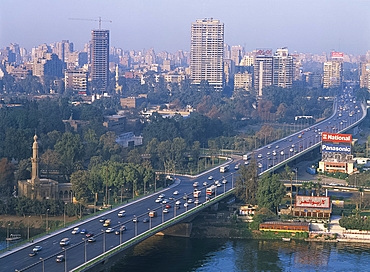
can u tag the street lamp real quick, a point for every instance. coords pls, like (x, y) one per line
(7, 235)
(85, 250)
(109, 196)
(65, 214)
(47, 221)
(162, 214)
(43, 264)
(28, 231)
(135, 225)
(150, 220)
(103, 240)
(65, 260)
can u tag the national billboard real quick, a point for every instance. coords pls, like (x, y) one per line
(312, 202)
(332, 137)
(336, 148)
(337, 55)
(264, 52)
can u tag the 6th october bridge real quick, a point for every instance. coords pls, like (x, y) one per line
(80, 255)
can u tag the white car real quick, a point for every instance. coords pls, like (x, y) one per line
(224, 181)
(210, 177)
(205, 183)
(165, 201)
(260, 165)
(259, 155)
(122, 213)
(196, 202)
(161, 195)
(158, 200)
(190, 200)
(176, 192)
(165, 211)
(76, 230)
(109, 230)
(178, 202)
(185, 204)
(218, 184)
(291, 150)
(37, 248)
(269, 146)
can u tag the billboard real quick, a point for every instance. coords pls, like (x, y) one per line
(333, 137)
(264, 52)
(336, 148)
(312, 202)
(337, 55)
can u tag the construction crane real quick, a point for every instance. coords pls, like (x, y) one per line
(95, 20)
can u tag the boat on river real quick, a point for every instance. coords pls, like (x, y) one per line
(14, 237)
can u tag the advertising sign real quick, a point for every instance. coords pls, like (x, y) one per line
(264, 52)
(336, 148)
(337, 55)
(332, 137)
(312, 202)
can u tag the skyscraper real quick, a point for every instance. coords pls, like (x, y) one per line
(333, 71)
(262, 70)
(207, 50)
(282, 69)
(100, 58)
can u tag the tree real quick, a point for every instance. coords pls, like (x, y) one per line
(80, 186)
(6, 176)
(50, 161)
(270, 191)
(246, 184)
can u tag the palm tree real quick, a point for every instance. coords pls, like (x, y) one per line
(361, 193)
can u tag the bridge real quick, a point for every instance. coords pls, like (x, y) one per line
(81, 255)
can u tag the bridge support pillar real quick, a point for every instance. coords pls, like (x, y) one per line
(178, 230)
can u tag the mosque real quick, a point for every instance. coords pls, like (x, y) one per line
(38, 188)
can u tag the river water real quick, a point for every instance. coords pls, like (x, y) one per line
(162, 253)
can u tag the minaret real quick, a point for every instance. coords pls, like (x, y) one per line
(35, 161)
(117, 86)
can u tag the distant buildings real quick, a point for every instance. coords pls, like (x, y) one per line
(100, 58)
(48, 65)
(76, 80)
(365, 75)
(282, 69)
(207, 50)
(333, 71)
(262, 70)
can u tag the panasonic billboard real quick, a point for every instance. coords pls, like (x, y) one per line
(336, 148)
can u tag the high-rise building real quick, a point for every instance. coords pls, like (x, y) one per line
(76, 80)
(282, 68)
(100, 58)
(243, 81)
(365, 75)
(207, 50)
(49, 65)
(262, 70)
(333, 71)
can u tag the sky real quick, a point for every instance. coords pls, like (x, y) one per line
(314, 26)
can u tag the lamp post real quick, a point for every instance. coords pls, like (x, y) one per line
(103, 240)
(65, 260)
(120, 234)
(43, 264)
(109, 196)
(64, 215)
(28, 231)
(47, 221)
(162, 214)
(7, 235)
(85, 250)
(150, 220)
(135, 225)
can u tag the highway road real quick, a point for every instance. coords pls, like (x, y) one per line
(346, 112)
(79, 250)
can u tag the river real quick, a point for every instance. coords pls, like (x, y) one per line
(162, 253)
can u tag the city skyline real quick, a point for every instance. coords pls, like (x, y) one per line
(313, 26)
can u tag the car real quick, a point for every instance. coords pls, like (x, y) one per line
(224, 181)
(268, 153)
(236, 167)
(178, 202)
(196, 202)
(32, 254)
(259, 165)
(259, 156)
(210, 177)
(168, 206)
(84, 231)
(246, 163)
(60, 259)
(277, 147)
(282, 153)
(177, 207)
(165, 210)
(269, 146)
(161, 195)
(123, 228)
(117, 232)
(274, 153)
(158, 200)
(165, 201)
(302, 132)
(109, 230)
(290, 140)
(299, 136)
(146, 220)
(122, 213)
(269, 158)
(102, 219)
(293, 145)
(107, 223)
(90, 234)
(76, 231)
(37, 248)
(91, 240)
(300, 146)
(176, 192)
(291, 150)
(270, 165)
(185, 204)
(195, 184)
(190, 200)
(135, 220)
(64, 242)
(205, 183)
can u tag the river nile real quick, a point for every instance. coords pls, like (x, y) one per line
(180, 254)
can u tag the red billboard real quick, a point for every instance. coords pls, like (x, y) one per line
(337, 54)
(264, 52)
(332, 137)
(312, 202)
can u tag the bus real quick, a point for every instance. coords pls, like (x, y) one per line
(224, 169)
(247, 156)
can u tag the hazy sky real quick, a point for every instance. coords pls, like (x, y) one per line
(302, 25)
